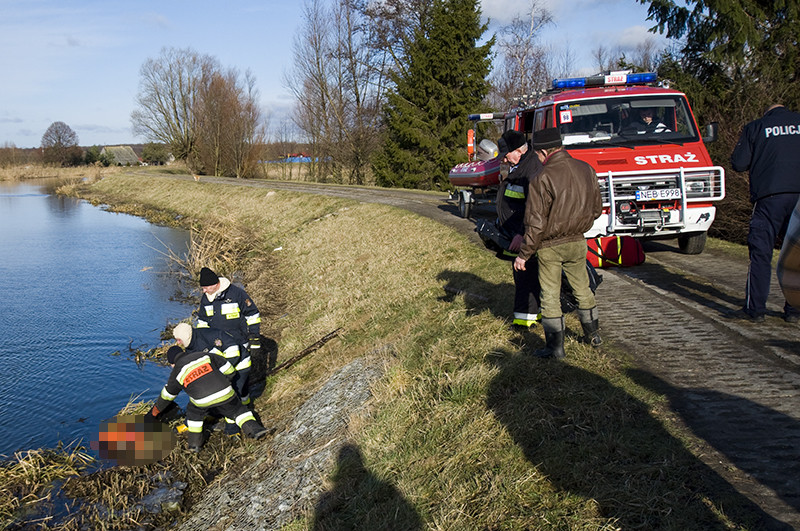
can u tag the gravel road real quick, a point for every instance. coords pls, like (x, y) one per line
(734, 384)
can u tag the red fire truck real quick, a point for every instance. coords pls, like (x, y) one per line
(656, 177)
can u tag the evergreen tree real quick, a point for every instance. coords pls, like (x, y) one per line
(737, 57)
(443, 80)
(733, 48)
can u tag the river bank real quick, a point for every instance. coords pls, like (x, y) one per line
(426, 411)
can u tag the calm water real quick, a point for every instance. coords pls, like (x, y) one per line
(78, 283)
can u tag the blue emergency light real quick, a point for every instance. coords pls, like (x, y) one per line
(614, 78)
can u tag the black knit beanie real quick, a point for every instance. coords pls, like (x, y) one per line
(208, 277)
(173, 352)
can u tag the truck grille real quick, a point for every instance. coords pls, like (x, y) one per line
(696, 184)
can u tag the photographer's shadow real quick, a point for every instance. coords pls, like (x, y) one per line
(361, 500)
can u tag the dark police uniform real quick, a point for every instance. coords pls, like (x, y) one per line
(770, 149)
(511, 197)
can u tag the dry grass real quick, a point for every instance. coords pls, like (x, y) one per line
(40, 171)
(467, 430)
(287, 171)
(27, 479)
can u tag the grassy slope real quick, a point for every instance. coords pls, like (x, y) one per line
(467, 430)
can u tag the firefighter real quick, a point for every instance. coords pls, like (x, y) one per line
(198, 373)
(230, 310)
(769, 148)
(213, 341)
(524, 164)
(219, 343)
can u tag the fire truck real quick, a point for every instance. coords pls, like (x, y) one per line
(656, 177)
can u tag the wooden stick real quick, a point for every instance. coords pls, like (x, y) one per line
(305, 352)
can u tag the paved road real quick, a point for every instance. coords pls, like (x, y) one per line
(734, 384)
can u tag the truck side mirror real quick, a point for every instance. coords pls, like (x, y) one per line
(711, 132)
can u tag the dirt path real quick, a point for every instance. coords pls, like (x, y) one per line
(736, 385)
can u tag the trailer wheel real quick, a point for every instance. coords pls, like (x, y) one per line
(692, 243)
(465, 203)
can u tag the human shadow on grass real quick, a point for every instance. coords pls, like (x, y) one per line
(359, 499)
(479, 294)
(760, 441)
(593, 439)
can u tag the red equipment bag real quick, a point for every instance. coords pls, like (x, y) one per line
(609, 251)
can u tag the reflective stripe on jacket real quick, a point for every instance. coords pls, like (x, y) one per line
(197, 373)
(231, 310)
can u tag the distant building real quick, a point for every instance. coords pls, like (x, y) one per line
(121, 155)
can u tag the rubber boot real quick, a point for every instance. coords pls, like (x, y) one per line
(231, 428)
(254, 430)
(553, 338)
(591, 327)
(194, 441)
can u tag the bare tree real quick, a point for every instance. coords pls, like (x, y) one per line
(308, 81)
(566, 61)
(230, 130)
(607, 59)
(166, 101)
(523, 66)
(208, 117)
(647, 55)
(338, 81)
(60, 145)
(248, 131)
(392, 25)
(211, 110)
(10, 155)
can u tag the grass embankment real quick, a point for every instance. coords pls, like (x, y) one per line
(467, 429)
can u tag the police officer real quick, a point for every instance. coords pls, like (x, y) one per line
(228, 308)
(769, 148)
(524, 165)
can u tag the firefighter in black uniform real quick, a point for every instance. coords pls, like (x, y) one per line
(229, 309)
(769, 148)
(511, 195)
(217, 342)
(198, 373)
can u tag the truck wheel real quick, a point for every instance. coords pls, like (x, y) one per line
(465, 203)
(692, 243)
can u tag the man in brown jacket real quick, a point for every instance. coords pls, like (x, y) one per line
(563, 202)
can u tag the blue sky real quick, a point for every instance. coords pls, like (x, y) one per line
(78, 62)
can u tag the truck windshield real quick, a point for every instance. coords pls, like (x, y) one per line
(626, 120)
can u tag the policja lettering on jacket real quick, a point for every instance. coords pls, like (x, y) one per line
(782, 130)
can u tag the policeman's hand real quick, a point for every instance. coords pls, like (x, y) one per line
(153, 413)
(516, 243)
(519, 264)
